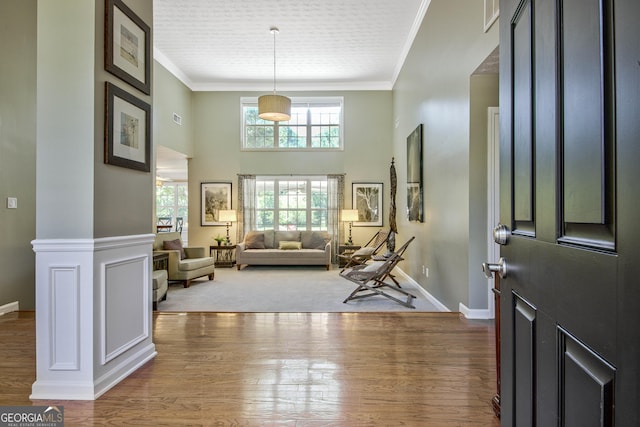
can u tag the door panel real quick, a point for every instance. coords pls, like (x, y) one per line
(522, 122)
(524, 318)
(586, 384)
(570, 315)
(587, 138)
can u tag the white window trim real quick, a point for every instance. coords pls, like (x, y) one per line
(294, 100)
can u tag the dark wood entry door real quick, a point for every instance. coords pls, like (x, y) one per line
(570, 194)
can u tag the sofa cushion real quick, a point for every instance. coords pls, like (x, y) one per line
(289, 245)
(289, 236)
(174, 245)
(194, 263)
(314, 239)
(269, 239)
(254, 240)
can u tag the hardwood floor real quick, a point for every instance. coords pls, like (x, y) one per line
(336, 369)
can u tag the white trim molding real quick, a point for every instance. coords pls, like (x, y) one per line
(474, 313)
(433, 300)
(93, 305)
(8, 308)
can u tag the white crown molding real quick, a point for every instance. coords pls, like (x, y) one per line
(422, 11)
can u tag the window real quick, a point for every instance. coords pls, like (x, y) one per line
(291, 203)
(315, 124)
(172, 200)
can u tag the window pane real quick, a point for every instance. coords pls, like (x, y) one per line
(292, 137)
(265, 195)
(298, 116)
(325, 115)
(325, 137)
(264, 220)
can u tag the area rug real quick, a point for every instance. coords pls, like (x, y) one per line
(282, 289)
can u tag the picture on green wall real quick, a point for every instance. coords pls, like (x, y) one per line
(127, 130)
(127, 46)
(414, 175)
(367, 199)
(216, 196)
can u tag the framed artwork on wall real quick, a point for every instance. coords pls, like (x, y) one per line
(127, 46)
(127, 130)
(414, 176)
(367, 200)
(215, 196)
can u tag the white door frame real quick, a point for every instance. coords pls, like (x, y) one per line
(493, 193)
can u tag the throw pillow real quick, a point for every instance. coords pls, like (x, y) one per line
(366, 251)
(269, 239)
(254, 240)
(286, 236)
(174, 245)
(289, 245)
(373, 266)
(314, 239)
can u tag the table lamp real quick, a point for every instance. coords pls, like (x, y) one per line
(349, 215)
(228, 216)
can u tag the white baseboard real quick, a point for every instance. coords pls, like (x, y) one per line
(8, 308)
(471, 313)
(433, 300)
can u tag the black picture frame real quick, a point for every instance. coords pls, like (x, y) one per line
(127, 130)
(127, 46)
(415, 209)
(214, 196)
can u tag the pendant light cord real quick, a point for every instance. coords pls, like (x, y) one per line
(274, 31)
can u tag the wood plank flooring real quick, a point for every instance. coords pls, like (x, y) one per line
(316, 369)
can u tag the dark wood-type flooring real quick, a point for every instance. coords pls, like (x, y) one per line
(337, 369)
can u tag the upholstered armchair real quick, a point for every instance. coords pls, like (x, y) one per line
(185, 264)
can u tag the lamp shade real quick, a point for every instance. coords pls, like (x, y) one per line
(276, 108)
(227, 215)
(349, 215)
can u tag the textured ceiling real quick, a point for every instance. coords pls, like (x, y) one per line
(327, 44)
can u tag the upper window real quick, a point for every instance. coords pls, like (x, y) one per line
(315, 124)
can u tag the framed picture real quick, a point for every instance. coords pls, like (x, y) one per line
(414, 175)
(367, 199)
(127, 130)
(127, 46)
(215, 196)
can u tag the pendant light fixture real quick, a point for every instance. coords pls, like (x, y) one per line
(274, 107)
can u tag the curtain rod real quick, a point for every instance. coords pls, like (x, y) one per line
(291, 174)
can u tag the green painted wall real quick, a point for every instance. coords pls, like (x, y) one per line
(217, 156)
(170, 96)
(18, 151)
(123, 203)
(433, 88)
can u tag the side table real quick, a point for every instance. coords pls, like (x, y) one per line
(345, 251)
(225, 255)
(160, 261)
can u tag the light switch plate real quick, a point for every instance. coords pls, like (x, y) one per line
(12, 203)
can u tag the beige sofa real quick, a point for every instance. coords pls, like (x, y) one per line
(195, 262)
(271, 247)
